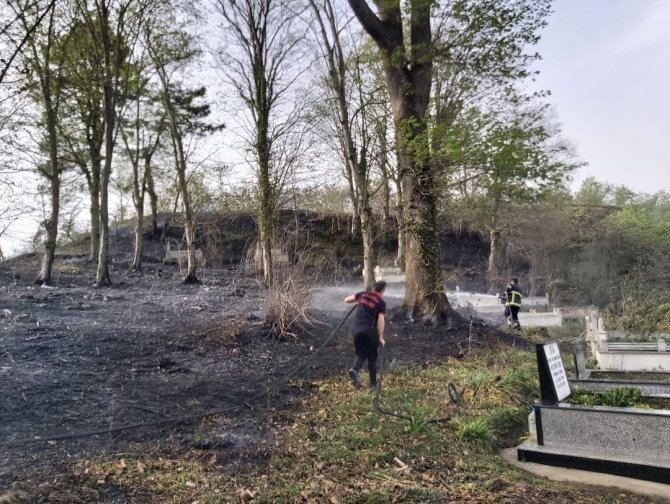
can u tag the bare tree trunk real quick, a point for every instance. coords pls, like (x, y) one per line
(53, 171)
(153, 201)
(386, 177)
(139, 236)
(102, 273)
(189, 225)
(386, 202)
(94, 195)
(353, 192)
(51, 225)
(44, 276)
(356, 163)
(266, 215)
(368, 248)
(493, 272)
(180, 165)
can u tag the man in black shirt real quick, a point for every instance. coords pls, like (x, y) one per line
(368, 330)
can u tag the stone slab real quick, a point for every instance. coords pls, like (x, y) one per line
(575, 458)
(633, 361)
(555, 473)
(604, 432)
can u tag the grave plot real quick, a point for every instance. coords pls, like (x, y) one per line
(632, 442)
(618, 351)
(655, 384)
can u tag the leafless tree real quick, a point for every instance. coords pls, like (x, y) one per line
(171, 50)
(259, 61)
(352, 120)
(114, 27)
(43, 83)
(141, 127)
(17, 14)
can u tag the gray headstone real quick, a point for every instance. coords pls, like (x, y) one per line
(580, 360)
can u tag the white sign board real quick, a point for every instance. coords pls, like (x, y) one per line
(557, 370)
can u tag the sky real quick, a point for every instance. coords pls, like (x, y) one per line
(607, 65)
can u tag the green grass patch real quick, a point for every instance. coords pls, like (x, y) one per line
(620, 397)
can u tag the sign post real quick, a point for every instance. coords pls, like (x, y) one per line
(554, 386)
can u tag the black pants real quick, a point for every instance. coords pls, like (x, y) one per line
(366, 343)
(513, 312)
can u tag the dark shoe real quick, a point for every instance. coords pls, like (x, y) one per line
(355, 379)
(516, 326)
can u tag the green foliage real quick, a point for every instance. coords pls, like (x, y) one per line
(477, 431)
(418, 424)
(591, 363)
(623, 397)
(620, 397)
(583, 397)
(639, 311)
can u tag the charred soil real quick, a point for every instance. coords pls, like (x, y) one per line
(75, 359)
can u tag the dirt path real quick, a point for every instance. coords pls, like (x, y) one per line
(75, 358)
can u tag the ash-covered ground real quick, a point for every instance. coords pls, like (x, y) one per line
(75, 358)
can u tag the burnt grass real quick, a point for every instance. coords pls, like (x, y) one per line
(75, 359)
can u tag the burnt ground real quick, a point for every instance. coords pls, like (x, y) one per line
(74, 359)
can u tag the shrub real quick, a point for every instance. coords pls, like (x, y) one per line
(288, 298)
(477, 431)
(639, 311)
(620, 397)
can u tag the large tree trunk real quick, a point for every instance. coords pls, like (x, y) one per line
(408, 66)
(400, 219)
(423, 288)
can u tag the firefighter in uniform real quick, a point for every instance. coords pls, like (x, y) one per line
(512, 299)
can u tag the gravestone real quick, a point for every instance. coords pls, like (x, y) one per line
(580, 360)
(554, 385)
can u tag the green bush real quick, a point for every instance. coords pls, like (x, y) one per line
(623, 397)
(584, 397)
(639, 311)
(620, 397)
